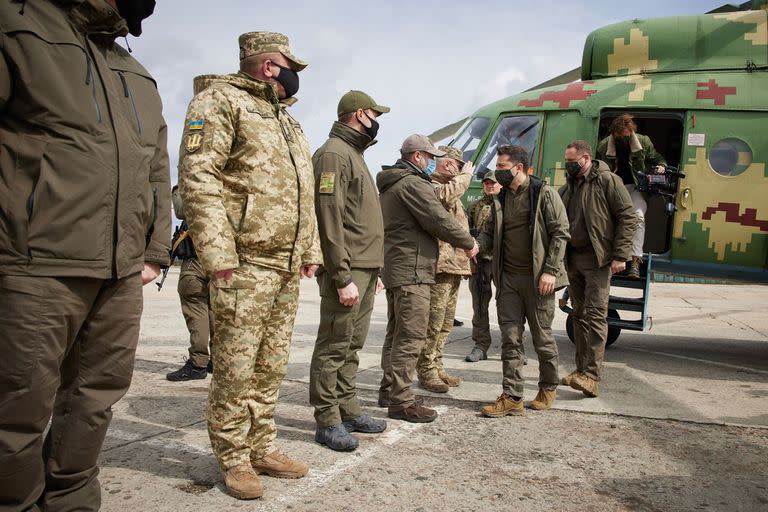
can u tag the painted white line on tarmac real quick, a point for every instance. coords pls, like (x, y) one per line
(698, 360)
(317, 479)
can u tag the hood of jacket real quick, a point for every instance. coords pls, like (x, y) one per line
(391, 174)
(359, 141)
(94, 17)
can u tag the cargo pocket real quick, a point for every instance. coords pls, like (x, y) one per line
(545, 309)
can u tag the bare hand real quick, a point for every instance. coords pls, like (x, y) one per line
(618, 266)
(308, 271)
(379, 285)
(471, 253)
(349, 295)
(546, 284)
(660, 169)
(150, 273)
(468, 168)
(224, 274)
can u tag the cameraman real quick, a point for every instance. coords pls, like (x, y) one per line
(629, 154)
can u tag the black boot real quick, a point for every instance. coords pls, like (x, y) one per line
(187, 372)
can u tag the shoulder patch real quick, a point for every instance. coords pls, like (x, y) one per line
(327, 182)
(193, 141)
(195, 124)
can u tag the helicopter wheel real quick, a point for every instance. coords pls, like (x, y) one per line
(613, 332)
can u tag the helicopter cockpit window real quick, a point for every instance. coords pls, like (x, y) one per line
(470, 135)
(730, 156)
(520, 130)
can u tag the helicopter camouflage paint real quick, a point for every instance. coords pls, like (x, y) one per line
(698, 86)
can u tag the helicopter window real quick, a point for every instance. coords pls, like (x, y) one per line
(730, 156)
(520, 130)
(470, 136)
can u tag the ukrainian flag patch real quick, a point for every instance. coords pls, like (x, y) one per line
(195, 124)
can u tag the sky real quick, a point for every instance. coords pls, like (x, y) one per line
(433, 62)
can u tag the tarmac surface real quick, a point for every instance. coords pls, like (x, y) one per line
(681, 423)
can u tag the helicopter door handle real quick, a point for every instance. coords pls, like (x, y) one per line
(685, 197)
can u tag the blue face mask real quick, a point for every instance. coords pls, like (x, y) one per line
(431, 166)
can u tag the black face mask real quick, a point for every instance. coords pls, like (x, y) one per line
(374, 129)
(134, 12)
(289, 79)
(624, 141)
(573, 168)
(504, 177)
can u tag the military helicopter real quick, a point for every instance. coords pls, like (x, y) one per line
(698, 87)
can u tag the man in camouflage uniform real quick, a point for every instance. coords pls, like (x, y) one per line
(195, 306)
(480, 280)
(450, 179)
(352, 238)
(248, 189)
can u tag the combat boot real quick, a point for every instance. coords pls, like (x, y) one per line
(477, 354)
(278, 465)
(586, 385)
(505, 405)
(544, 399)
(384, 401)
(449, 379)
(633, 272)
(337, 438)
(433, 384)
(365, 424)
(415, 413)
(242, 482)
(568, 379)
(187, 372)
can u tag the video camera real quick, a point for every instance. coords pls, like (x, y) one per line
(663, 184)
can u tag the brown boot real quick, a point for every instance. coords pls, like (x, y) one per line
(415, 413)
(505, 405)
(568, 379)
(586, 385)
(278, 465)
(433, 384)
(449, 379)
(242, 482)
(544, 399)
(633, 272)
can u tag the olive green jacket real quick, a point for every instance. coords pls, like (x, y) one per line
(347, 205)
(549, 236)
(246, 180)
(608, 212)
(414, 219)
(642, 154)
(84, 177)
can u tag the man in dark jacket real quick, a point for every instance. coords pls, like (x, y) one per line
(630, 154)
(352, 239)
(84, 222)
(527, 233)
(602, 224)
(414, 219)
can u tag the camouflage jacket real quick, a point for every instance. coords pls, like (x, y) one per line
(246, 179)
(451, 260)
(478, 214)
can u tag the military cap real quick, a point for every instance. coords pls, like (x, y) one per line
(490, 175)
(418, 142)
(454, 153)
(354, 100)
(256, 43)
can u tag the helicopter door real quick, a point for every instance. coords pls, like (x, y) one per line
(665, 129)
(722, 215)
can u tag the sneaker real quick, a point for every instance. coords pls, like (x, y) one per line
(568, 379)
(476, 355)
(586, 385)
(242, 482)
(505, 405)
(209, 368)
(278, 465)
(457, 323)
(336, 437)
(544, 399)
(187, 372)
(434, 385)
(365, 424)
(633, 272)
(415, 413)
(449, 379)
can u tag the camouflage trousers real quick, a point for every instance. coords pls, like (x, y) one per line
(442, 307)
(254, 314)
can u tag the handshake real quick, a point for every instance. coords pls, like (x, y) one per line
(471, 253)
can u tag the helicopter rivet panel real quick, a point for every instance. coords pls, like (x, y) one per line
(709, 90)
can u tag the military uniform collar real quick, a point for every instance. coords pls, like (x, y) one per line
(359, 141)
(95, 17)
(257, 87)
(523, 186)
